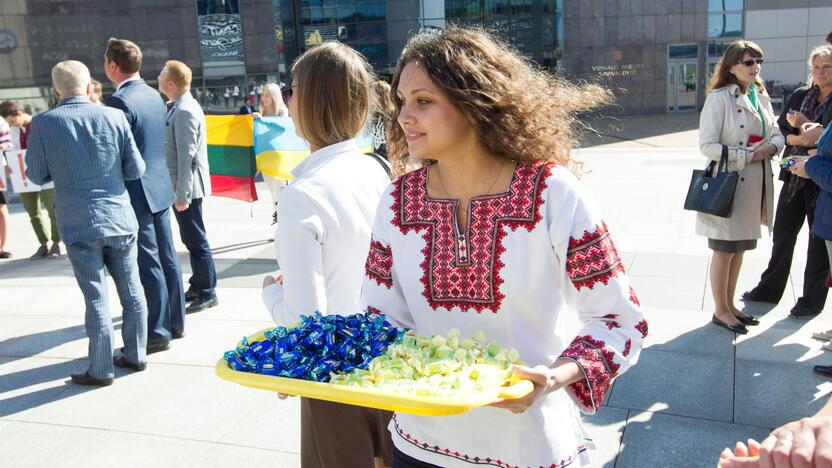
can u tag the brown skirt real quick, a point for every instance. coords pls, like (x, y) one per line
(334, 435)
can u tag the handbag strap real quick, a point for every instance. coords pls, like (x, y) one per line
(723, 159)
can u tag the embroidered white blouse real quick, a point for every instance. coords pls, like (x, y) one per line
(535, 270)
(323, 233)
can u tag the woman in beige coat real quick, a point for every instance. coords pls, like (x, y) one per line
(738, 114)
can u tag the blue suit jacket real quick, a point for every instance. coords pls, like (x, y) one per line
(89, 152)
(145, 111)
(819, 168)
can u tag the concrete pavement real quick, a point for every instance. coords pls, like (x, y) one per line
(696, 389)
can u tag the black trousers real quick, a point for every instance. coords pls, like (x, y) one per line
(192, 232)
(791, 212)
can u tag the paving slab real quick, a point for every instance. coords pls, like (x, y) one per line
(31, 382)
(785, 343)
(41, 445)
(675, 383)
(671, 293)
(772, 393)
(653, 440)
(272, 425)
(686, 331)
(605, 428)
(165, 400)
(206, 341)
(223, 456)
(58, 336)
(238, 304)
(690, 268)
(249, 273)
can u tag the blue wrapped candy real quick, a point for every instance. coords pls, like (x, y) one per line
(318, 347)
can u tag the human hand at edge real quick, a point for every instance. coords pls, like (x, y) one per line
(799, 167)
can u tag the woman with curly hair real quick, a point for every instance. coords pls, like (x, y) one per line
(494, 233)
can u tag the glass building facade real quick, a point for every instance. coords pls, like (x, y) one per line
(655, 55)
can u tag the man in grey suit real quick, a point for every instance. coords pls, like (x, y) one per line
(187, 159)
(89, 152)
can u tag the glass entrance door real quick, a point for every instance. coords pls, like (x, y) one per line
(681, 86)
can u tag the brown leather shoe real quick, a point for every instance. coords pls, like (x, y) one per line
(122, 361)
(87, 379)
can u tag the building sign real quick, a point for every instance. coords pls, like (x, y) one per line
(221, 38)
(618, 70)
(8, 41)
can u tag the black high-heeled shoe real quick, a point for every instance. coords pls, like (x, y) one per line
(748, 320)
(734, 328)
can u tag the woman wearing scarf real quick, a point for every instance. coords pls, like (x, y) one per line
(809, 104)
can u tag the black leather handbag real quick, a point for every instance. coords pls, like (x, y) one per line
(713, 193)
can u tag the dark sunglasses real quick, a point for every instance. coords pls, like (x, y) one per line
(751, 62)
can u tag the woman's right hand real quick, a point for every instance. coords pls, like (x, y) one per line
(796, 119)
(763, 152)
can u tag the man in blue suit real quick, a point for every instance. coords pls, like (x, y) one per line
(89, 152)
(151, 196)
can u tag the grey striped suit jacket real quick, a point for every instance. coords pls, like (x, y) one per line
(88, 151)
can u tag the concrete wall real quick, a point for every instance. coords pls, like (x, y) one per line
(787, 32)
(624, 45)
(46, 32)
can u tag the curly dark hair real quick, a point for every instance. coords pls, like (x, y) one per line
(521, 113)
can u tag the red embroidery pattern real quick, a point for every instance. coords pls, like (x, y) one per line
(474, 460)
(609, 320)
(463, 269)
(626, 351)
(599, 367)
(592, 258)
(379, 264)
(642, 328)
(373, 310)
(633, 297)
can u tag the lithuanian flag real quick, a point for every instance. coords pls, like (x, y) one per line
(231, 156)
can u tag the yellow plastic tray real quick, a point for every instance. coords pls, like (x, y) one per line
(371, 397)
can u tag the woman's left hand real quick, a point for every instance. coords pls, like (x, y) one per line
(799, 167)
(544, 382)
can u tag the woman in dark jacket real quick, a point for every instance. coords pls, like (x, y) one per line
(812, 103)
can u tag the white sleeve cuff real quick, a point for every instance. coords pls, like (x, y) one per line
(273, 300)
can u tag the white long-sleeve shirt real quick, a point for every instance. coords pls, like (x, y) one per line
(323, 233)
(536, 270)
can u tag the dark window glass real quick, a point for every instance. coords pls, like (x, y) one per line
(683, 51)
(216, 7)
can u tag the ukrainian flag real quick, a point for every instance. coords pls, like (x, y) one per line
(279, 149)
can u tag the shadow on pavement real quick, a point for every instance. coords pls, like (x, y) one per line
(26, 268)
(692, 396)
(21, 380)
(240, 246)
(20, 347)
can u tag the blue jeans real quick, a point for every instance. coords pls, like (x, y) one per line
(203, 279)
(118, 255)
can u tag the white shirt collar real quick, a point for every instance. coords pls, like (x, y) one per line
(132, 78)
(322, 155)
